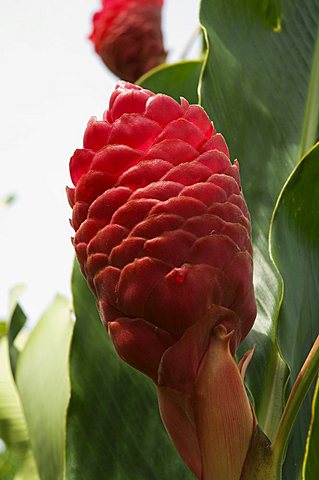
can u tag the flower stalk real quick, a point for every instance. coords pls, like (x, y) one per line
(297, 395)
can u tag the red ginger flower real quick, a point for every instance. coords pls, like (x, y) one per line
(127, 35)
(163, 238)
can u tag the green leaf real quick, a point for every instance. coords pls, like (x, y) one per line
(311, 461)
(43, 385)
(113, 426)
(17, 461)
(296, 224)
(14, 296)
(8, 200)
(260, 87)
(13, 430)
(177, 80)
(3, 328)
(267, 12)
(17, 322)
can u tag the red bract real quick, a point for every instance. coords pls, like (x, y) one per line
(163, 238)
(127, 35)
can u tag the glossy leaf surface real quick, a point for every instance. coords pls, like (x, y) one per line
(295, 249)
(259, 86)
(177, 80)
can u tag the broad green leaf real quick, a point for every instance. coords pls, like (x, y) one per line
(113, 428)
(260, 85)
(13, 429)
(43, 385)
(267, 12)
(311, 461)
(177, 80)
(295, 249)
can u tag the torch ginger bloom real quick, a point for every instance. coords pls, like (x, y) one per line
(127, 35)
(162, 235)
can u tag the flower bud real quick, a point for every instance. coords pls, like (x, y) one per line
(163, 237)
(127, 36)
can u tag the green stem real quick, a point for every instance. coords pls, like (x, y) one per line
(190, 42)
(296, 397)
(261, 463)
(264, 460)
(270, 407)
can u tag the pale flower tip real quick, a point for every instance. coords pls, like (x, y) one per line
(220, 332)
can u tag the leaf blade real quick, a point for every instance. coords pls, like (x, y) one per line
(45, 395)
(255, 85)
(177, 80)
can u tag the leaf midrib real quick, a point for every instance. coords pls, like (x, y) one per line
(311, 118)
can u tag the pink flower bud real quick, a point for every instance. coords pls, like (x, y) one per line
(163, 237)
(127, 35)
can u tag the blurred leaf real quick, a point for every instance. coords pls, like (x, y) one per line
(3, 328)
(18, 457)
(14, 297)
(296, 226)
(311, 462)
(43, 384)
(9, 200)
(177, 80)
(12, 425)
(113, 426)
(9, 464)
(17, 322)
(260, 87)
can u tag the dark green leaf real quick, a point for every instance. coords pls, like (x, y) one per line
(177, 80)
(17, 322)
(113, 427)
(43, 384)
(266, 12)
(295, 249)
(260, 87)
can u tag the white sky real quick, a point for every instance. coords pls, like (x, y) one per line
(51, 82)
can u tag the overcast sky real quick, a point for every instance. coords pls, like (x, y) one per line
(51, 83)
